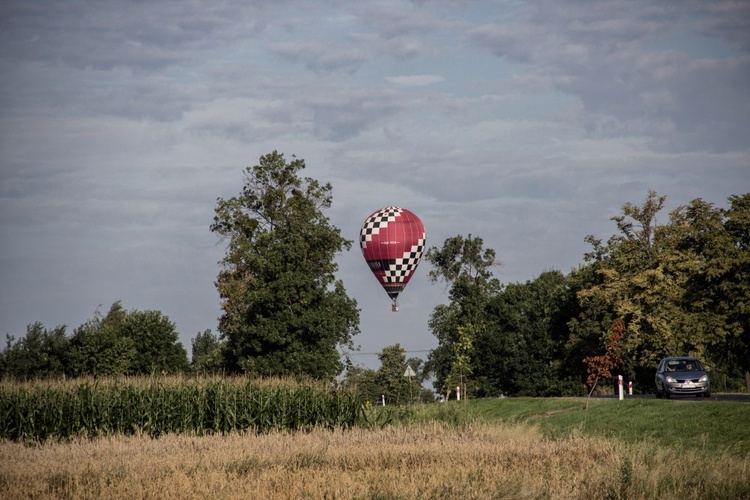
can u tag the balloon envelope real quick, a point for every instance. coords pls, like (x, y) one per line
(392, 241)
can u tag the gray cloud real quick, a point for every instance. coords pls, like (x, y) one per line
(142, 35)
(319, 57)
(604, 56)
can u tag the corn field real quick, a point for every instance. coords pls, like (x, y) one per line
(37, 411)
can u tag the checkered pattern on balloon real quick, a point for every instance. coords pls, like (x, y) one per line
(392, 240)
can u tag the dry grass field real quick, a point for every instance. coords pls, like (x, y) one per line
(428, 460)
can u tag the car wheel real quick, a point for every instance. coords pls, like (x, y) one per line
(666, 393)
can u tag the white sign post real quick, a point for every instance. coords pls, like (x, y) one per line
(619, 385)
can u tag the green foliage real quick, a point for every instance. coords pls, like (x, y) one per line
(389, 380)
(156, 343)
(681, 287)
(678, 288)
(126, 342)
(397, 388)
(362, 381)
(120, 342)
(97, 348)
(156, 406)
(40, 353)
(463, 352)
(206, 355)
(521, 350)
(464, 265)
(283, 311)
(729, 289)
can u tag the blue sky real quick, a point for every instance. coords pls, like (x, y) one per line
(528, 124)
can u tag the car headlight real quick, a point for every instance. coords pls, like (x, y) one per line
(670, 380)
(704, 378)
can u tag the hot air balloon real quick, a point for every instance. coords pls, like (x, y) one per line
(392, 241)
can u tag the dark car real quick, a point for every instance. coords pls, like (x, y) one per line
(682, 375)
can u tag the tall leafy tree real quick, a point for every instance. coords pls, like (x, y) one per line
(465, 266)
(679, 287)
(638, 283)
(389, 379)
(284, 312)
(715, 245)
(521, 351)
(737, 224)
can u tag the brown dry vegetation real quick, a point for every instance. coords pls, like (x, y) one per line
(422, 461)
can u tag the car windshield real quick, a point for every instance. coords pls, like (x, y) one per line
(684, 365)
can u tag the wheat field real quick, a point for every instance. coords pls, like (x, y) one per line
(420, 461)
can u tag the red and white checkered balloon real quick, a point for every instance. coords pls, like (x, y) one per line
(392, 241)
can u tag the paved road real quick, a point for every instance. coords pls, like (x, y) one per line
(739, 398)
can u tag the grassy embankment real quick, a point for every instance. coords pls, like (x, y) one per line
(510, 448)
(703, 426)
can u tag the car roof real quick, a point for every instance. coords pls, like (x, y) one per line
(670, 358)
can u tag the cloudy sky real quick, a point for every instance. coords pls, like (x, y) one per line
(526, 123)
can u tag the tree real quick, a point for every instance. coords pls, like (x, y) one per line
(521, 349)
(602, 366)
(463, 351)
(715, 244)
(206, 355)
(126, 343)
(390, 379)
(680, 287)
(737, 224)
(363, 381)
(41, 353)
(638, 282)
(284, 313)
(156, 347)
(464, 265)
(97, 348)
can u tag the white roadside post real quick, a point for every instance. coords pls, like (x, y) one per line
(619, 385)
(382, 399)
(630, 388)
(458, 393)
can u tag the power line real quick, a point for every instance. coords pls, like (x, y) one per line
(377, 353)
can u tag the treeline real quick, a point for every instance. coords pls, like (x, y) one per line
(682, 287)
(678, 287)
(121, 342)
